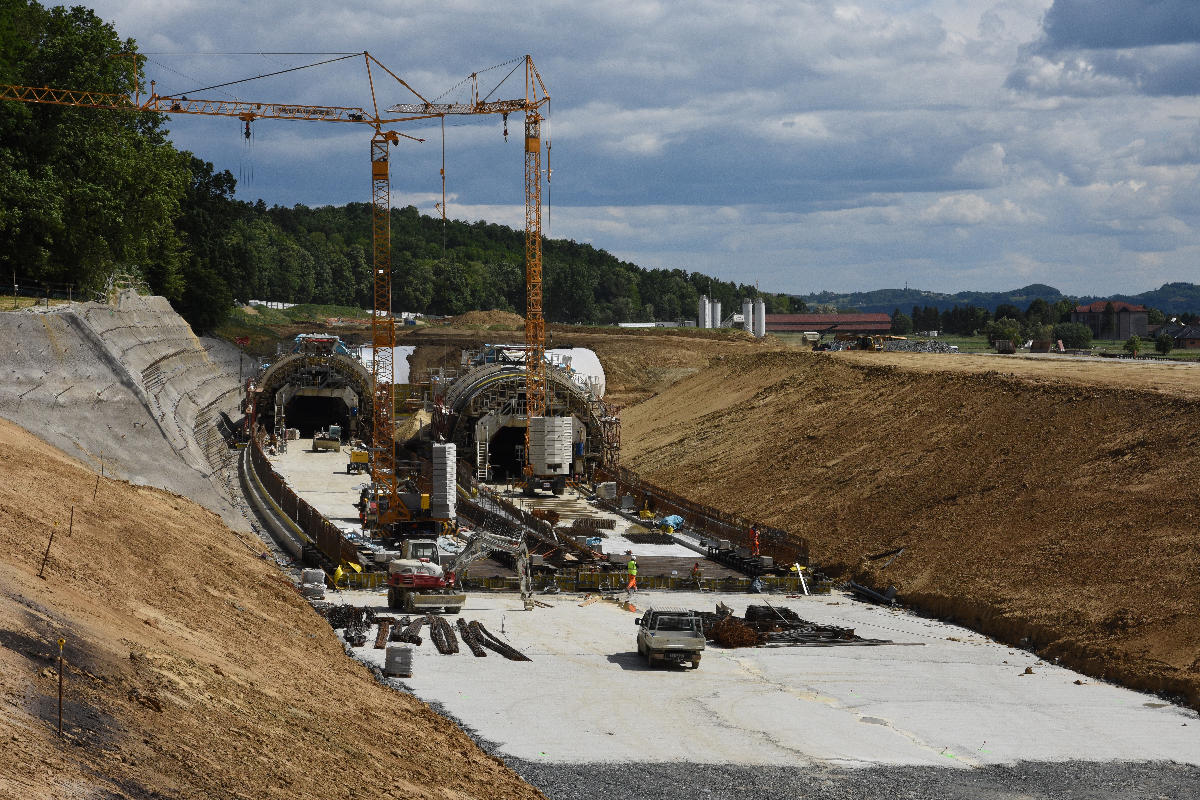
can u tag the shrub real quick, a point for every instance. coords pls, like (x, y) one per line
(1075, 335)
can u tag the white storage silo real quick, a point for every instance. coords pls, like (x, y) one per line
(716, 314)
(760, 318)
(703, 316)
(748, 315)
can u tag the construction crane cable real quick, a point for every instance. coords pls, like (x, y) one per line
(257, 53)
(502, 80)
(270, 74)
(180, 74)
(476, 74)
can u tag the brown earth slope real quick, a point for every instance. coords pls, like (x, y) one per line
(637, 361)
(1056, 512)
(194, 668)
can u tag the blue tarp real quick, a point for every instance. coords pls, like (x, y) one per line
(674, 520)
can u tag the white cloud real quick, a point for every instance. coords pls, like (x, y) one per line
(971, 209)
(803, 144)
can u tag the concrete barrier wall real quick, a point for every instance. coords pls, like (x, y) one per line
(304, 521)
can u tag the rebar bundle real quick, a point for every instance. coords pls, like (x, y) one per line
(468, 636)
(484, 637)
(442, 635)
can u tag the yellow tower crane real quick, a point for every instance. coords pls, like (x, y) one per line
(536, 97)
(383, 332)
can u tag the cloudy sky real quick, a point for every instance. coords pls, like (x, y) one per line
(803, 145)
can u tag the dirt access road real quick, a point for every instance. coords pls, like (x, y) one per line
(1048, 504)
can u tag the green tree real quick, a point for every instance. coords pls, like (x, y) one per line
(1164, 343)
(1133, 345)
(1074, 335)
(1108, 321)
(1155, 317)
(1005, 328)
(1008, 310)
(1061, 310)
(1039, 312)
(901, 324)
(84, 191)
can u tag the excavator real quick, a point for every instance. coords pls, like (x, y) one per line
(418, 581)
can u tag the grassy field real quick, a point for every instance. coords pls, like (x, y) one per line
(965, 344)
(7, 304)
(1118, 346)
(262, 325)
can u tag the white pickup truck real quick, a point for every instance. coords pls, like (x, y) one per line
(671, 635)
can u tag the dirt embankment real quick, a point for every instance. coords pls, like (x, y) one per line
(194, 668)
(1054, 513)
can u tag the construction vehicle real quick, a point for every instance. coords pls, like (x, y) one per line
(670, 635)
(419, 582)
(360, 460)
(328, 439)
(873, 343)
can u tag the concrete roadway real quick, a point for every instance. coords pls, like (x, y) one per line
(947, 697)
(321, 479)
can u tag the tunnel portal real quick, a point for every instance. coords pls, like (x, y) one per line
(310, 391)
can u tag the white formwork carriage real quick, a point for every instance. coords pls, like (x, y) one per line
(550, 443)
(442, 498)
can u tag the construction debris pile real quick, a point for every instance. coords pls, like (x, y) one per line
(355, 622)
(767, 626)
(896, 346)
(918, 346)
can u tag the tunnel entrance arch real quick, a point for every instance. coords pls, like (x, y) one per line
(311, 391)
(482, 411)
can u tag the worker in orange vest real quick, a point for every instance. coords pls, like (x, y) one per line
(632, 573)
(754, 541)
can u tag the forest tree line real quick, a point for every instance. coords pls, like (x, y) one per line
(85, 193)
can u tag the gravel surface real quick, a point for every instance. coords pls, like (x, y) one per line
(1072, 780)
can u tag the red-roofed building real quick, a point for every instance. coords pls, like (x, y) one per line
(1127, 320)
(829, 323)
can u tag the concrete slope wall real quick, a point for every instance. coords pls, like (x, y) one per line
(127, 384)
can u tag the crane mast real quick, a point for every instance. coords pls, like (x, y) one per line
(535, 323)
(383, 333)
(536, 96)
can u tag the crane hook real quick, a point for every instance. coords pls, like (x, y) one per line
(246, 132)
(506, 126)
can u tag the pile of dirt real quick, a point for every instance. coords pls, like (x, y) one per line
(1053, 513)
(194, 669)
(487, 319)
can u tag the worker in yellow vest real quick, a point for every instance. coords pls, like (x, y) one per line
(632, 574)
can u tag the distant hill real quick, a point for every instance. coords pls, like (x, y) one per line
(1171, 298)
